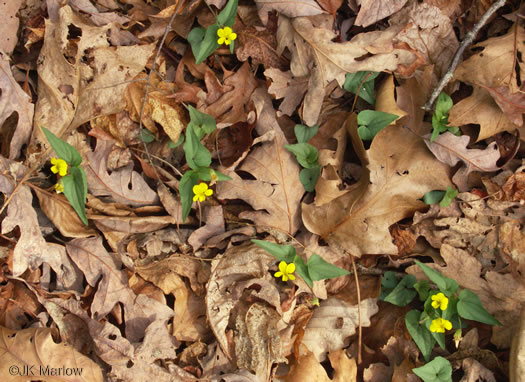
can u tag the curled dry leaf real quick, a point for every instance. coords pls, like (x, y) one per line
(400, 170)
(36, 348)
(289, 8)
(124, 185)
(76, 87)
(13, 102)
(308, 369)
(372, 11)
(213, 216)
(275, 193)
(333, 322)
(290, 89)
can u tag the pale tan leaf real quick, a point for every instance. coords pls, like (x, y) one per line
(14, 101)
(214, 218)
(9, 25)
(290, 89)
(333, 322)
(386, 100)
(34, 349)
(372, 11)
(517, 352)
(76, 87)
(400, 171)
(124, 185)
(308, 369)
(290, 8)
(276, 192)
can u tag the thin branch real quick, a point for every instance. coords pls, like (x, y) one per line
(466, 42)
(360, 339)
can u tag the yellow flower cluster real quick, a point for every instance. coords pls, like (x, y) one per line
(201, 191)
(439, 325)
(226, 36)
(285, 271)
(439, 301)
(59, 167)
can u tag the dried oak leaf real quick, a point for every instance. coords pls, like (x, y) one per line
(104, 272)
(123, 185)
(35, 348)
(372, 11)
(290, 8)
(13, 102)
(275, 193)
(400, 170)
(451, 149)
(80, 78)
(308, 369)
(9, 26)
(285, 86)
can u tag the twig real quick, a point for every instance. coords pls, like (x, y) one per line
(455, 62)
(360, 338)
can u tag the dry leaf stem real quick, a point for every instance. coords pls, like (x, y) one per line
(360, 335)
(466, 42)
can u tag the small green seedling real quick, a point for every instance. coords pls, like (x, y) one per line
(440, 118)
(443, 310)
(371, 122)
(314, 269)
(361, 83)
(204, 41)
(444, 198)
(306, 155)
(73, 182)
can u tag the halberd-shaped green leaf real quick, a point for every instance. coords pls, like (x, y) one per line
(319, 269)
(372, 122)
(203, 42)
(354, 80)
(309, 177)
(202, 123)
(388, 283)
(447, 285)
(227, 15)
(404, 292)
(63, 149)
(305, 153)
(470, 307)
(422, 337)
(438, 370)
(188, 180)
(450, 194)
(75, 190)
(302, 270)
(433, 197)
(304, 133)
(280, 252)
(196, 154)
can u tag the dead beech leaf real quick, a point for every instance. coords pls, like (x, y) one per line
(80, 78)
(58, 209)
(289, 8)
(308, 369)
(35, 348)
(480, 108)
(374, 10)
(400, 170)
(333, 322)
(276, 188)
(124, 185)
(9, 26)
(13, 101)
(290, 89)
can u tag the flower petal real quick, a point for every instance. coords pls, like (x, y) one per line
(220, 32)
(227, 31)
(290, 268)
(221, 40)
(233, 36)
(278, 274)
(282, 266)
(227, 42)
(208, 192)
(292, 277)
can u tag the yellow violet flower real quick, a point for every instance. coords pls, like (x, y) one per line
(286, 270)
(59, 166)
(226, 36)
(439, 325)
(439, 301)
(201, 191)
(59, 187)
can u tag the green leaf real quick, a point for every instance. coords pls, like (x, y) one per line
(440, 117)
(304, 133)
(202, 123)
(439, 370)
(146, 136)
(422, 337)
(403, 293)
(446, 285)
(450, 194)
(422, 287)
(203, 42)
(207, 174)
(302, 270)
(227, 15)
(439, 337)
(309, 177)
(305, 153)
(451, 313)
(280, 252)
(188, 180)
(75, 190)
(372, 122)
(443, 104)
(433, 197)
(388, 283)
(470, 307)
(196, 154)
(63, 149)
(172, 145)
(354, 80)
(319, 269)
